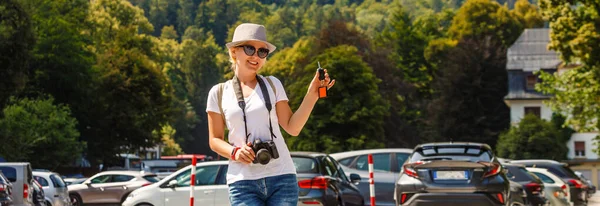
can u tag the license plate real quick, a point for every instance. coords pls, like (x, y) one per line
(450, 175)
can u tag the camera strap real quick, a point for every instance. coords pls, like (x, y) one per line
(237, 88)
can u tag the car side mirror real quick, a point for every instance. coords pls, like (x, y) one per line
(87, 183)
(172, 184)
(355, 178)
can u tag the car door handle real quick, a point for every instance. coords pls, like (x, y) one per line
(56, 196)
(125, 187)
(208, 192)
(102, 189)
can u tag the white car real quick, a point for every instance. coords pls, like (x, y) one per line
(55, 189)
(556, 190)
(210, 187)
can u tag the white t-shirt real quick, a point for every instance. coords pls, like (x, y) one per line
(258, 127)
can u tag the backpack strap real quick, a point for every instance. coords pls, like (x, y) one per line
(272, 86)
(220, 95)
(220, 100)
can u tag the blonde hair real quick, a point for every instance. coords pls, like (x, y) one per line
(232, 60)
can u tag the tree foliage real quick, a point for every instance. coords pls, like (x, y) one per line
(576, 36)
(533, 138)
(135, 95)
(30, 127)
(470, 88)
(16, 42)
(170, 147)
(352, 116)
(481, 18)
(200, 70)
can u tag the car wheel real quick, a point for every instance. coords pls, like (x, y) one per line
(75, 200)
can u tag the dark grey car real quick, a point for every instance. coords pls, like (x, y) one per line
(323, 182)
(532, 184)
(452, 174)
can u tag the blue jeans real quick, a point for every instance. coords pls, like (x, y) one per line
(281, 190)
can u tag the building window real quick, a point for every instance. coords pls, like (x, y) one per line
(579, 149)
(531, 80)
(533, 110)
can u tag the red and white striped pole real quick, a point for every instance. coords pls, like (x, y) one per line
(371, 180)
(193, 179)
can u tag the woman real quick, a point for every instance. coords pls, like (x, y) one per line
(272, 183)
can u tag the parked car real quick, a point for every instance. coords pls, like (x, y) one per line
(74, 181)
(518, 195)
(387, 164)
(20, 176)
(557, 190)
(532, 184)
(590, 185)
(320, 180)
(109, 187)
(452, 173)
(55, 189)
(38, 194)
(5, 191)
(210, 187)
(578, 189)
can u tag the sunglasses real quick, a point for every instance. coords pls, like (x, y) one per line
(249, 50)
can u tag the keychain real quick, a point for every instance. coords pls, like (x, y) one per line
(323, 87)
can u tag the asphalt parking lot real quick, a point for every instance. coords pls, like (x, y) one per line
(594, 200)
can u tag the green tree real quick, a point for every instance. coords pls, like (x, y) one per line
(285, 64)
(30, 127)
(371, 17)
(16, 42)
(133, 95)
(533, 138)
(481, 18)
(472, 79)
(399, 61)
(186, 13)
(162, 13)
(170, 147)
(528, 14)
(471, 75)
(352, 116)
(201, 72)
(62, 61)
(576, 36)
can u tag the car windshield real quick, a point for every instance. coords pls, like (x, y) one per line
(152, 178)
(305, 165)
(457, 153)
(57, 181)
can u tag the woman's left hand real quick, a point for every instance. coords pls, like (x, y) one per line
(313, 88)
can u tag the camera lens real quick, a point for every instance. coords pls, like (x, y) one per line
(263, 156)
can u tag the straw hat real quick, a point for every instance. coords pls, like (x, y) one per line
(250, 32)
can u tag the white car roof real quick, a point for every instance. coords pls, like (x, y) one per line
(45, 174)
(208, 163)
(547, 173)
(342, 155)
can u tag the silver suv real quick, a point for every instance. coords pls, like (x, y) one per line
(21, 177)
(110, 187)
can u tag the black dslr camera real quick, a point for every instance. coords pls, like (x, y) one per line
(264, 151)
